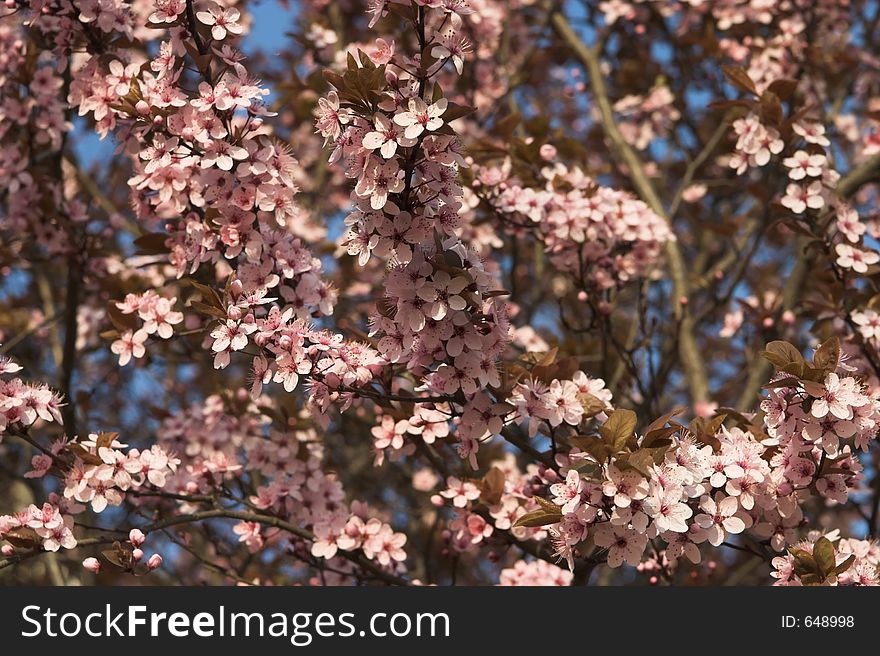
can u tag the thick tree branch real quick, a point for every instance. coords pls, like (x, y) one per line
(692, 360)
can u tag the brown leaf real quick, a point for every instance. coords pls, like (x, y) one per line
(621, 426)
(121, 321)
(785, 357)
(783, 87)
(740, 79)
(22, 537)
(592, 406)
(492, 486)
(209, 295)
(539, 517)
(827, 356)
(153, 243)
(455, 111)
(824, 555)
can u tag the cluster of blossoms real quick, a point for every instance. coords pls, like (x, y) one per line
(101, 472)
(23, 403)
(810, 193)
(856, 560)
(215, 437)
(506, 500)
(649, 117)
(129, 556)
(654, 498)
(95, 471)
(441, 318)
(158, 319)
(32, 128)
(562, 401)
(49, 526)
(768, 57)
(534, 573)
(210, 175)
(601, 237)
(216, 192)
(755, 143)
(816, 422)
(290, 348)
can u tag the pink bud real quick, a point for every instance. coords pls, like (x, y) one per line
(137, 554)
(767, 322)
(583, 296)
(234, 312)
(256, 124)
(136, 537)
(547, 152)
(155, 561)
(7, 550)
(788, 317)
(437, 500)
(92, 565)
(142, 108)
(683, 300)
(653, 580)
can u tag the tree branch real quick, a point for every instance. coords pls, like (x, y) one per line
(691, 358)
(222, 513)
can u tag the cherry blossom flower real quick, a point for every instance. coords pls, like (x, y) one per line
(854, 258)
(720, 517)
(221, 21)
(803, 164)
(568, 494)
(798, 198)
(386, 137)
(460, 492)
(668, 511)
(421, 117)
(454, 48)
(624, 545)
(868, 322)
(130, 345)
(624, 486)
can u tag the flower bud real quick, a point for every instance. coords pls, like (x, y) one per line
(155, 561)
(92, 565)
(547, 152)
(136, 537)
